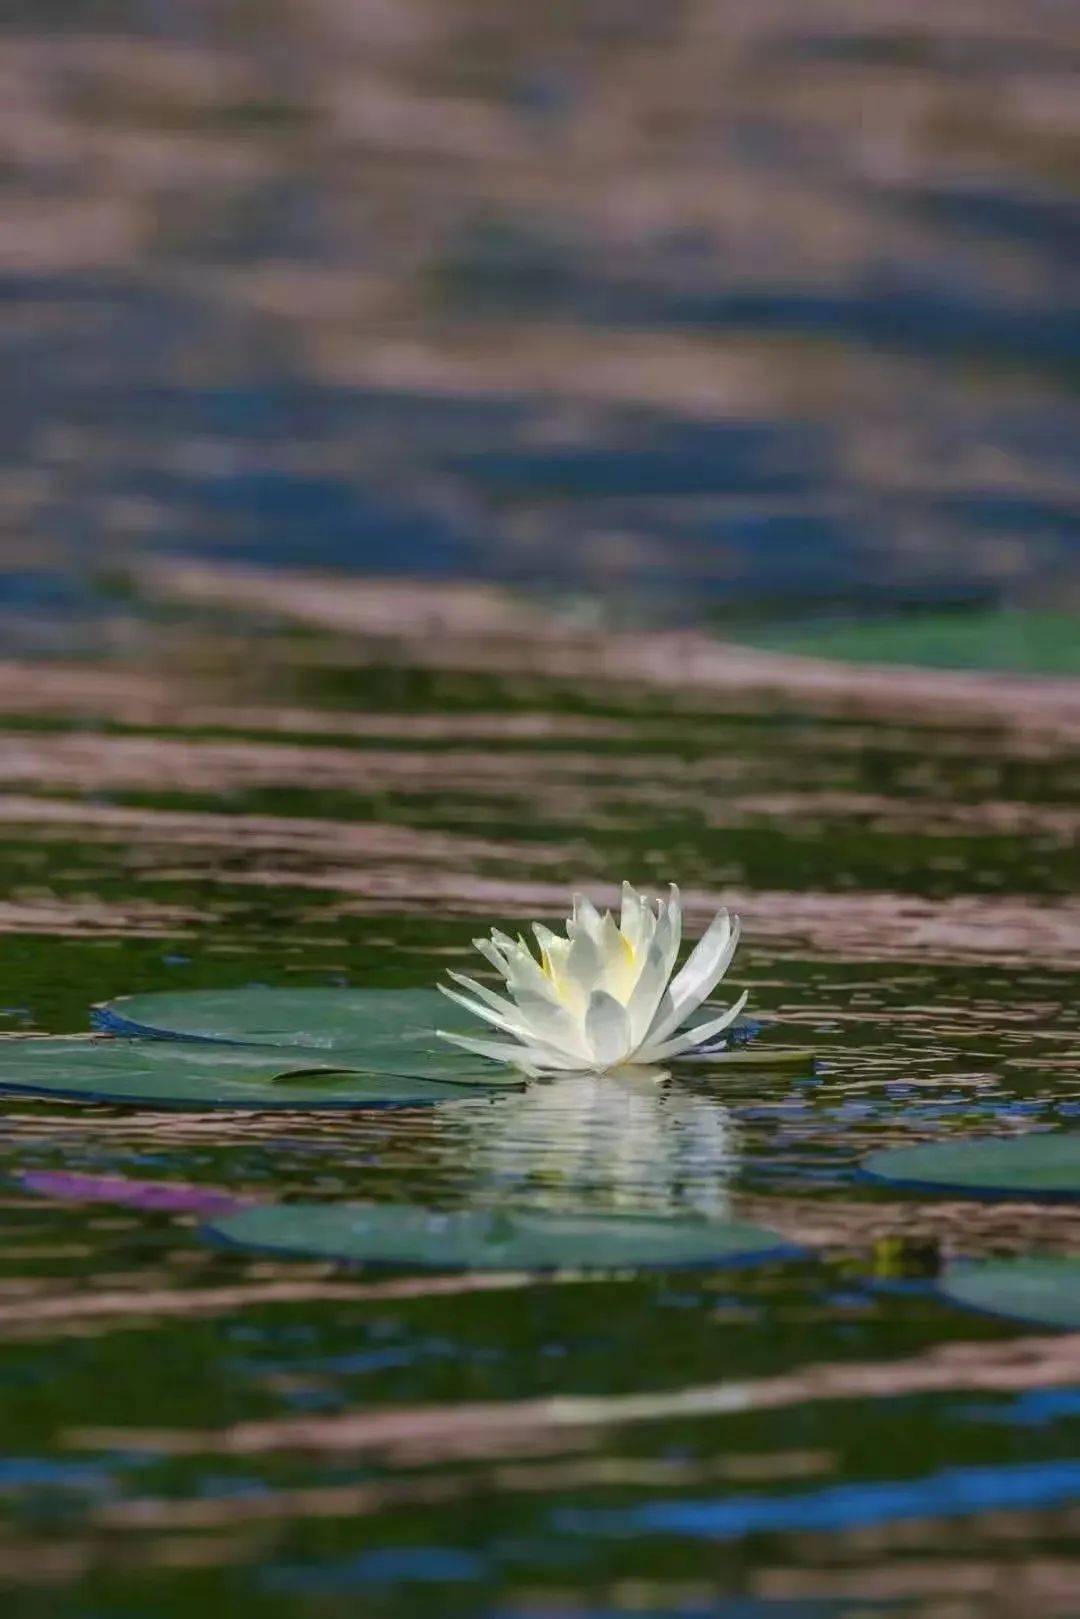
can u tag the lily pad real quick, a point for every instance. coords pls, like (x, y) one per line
(1036, 1165)
(174, 1074)
(1045, 1292)
(381, 1031)
(483, 1239)
(800, 1057)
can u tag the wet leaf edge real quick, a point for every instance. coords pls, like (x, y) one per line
(262, 1104)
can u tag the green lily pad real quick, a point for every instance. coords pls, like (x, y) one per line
(1036, 1165)
(387, 1031)
(172, 1074)
(1044, 1291)
(483, 1239)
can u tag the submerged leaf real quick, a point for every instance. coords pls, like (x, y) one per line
(1036, 1165)
(175, 1074)
(390, 1234)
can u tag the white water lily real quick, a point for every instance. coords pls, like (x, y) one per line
(601, 997)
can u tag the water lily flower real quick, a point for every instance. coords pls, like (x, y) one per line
(602, 996)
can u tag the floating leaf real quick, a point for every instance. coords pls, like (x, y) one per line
(389, 1234)
(388, 1031)
(1045, 1292)
(175, 1074)
(800, 1057)
(326, 1019)
(1036, 1165)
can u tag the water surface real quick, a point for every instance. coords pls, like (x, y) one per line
(188, 1425)
(678, 323)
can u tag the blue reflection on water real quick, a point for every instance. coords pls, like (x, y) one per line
(952, 1492)
(1035, 1408)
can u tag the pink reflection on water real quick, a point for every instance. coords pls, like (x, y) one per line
(162, 1196)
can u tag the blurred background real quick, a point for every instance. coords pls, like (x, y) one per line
(758, 315)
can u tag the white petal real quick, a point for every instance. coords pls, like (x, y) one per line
(498, 1020)
(492, 953)
(674, 923)
(586, 919)
(531, 1059)
(583, 964)
(553, 952)
(716, 942)
(621, 965)
(551, 1023)
(630, 916)
(667, 934)
(482, 993)
(546, 939)
(523, 974)
(607, 1028)
(554, 1026)
(701, 972)
(517, 954)
(641, 1007)
(497, 1050)
(651, 1052)
(610, 941)
(530, 1019)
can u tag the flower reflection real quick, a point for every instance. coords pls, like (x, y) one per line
(608, 1143)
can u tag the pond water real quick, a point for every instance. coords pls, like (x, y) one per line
(819, 1434)
(719, 315)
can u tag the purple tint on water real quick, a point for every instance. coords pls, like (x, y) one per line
(171, 1197)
